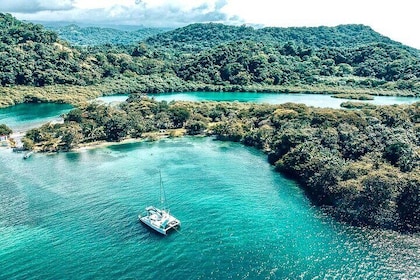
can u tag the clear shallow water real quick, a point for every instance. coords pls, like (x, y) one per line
(316, 100)
(74, 215)
(29, 115)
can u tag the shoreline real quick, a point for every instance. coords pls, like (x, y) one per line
(103, 144)
(148, 137)
(88, 93)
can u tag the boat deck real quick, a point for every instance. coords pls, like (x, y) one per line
(159, 220)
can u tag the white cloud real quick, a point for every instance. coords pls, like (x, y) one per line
(33, 6)
(183, 5)
(397, 20)
(102, 4)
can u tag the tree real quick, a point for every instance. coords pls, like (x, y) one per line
(376, 202)
(195, 127)
(408, 204)
(116, 128)
(229, 131)
(179, 115)
(74, 115)
(70, 137)
(141, 50)
(5, 130)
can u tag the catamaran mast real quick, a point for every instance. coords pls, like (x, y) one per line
(162, 192)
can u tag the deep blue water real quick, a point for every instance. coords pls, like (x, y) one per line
(74, 216)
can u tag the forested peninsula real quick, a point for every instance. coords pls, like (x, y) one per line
(362, 166)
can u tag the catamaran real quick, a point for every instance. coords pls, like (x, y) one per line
(159, 219)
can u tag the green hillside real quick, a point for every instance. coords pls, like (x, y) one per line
(245, 63)
(344, 59)
(32, 55)
(196, 37)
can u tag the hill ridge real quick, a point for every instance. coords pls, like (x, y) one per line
(201, 36)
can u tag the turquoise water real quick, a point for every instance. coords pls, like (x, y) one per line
(316, 100)
(31, 115)
(74, 216)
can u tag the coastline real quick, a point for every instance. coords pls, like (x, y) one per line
(147, 137)
(104, 144)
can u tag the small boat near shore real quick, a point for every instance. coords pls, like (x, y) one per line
(28, 155)
(159, 219)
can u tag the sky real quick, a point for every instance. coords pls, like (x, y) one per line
(397, 20)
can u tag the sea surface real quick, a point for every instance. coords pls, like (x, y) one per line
(74, 216)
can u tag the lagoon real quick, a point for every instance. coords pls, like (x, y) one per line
(74, 215)
(315, 100)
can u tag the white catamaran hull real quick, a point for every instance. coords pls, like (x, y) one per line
(159, 220)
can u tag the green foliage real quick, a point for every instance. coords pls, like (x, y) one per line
(402, 155)
(197, 37)
(179, 115)
(195, 127)
(229, 131)
(116, 127)
(5, 130)
(408, 204)
(244, 63)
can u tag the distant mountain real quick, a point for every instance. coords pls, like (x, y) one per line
(204, 36)
(92, 36)
(53, 25)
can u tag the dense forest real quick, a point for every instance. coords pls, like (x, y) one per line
(204, 36)
(213, 57)
(362, 166)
